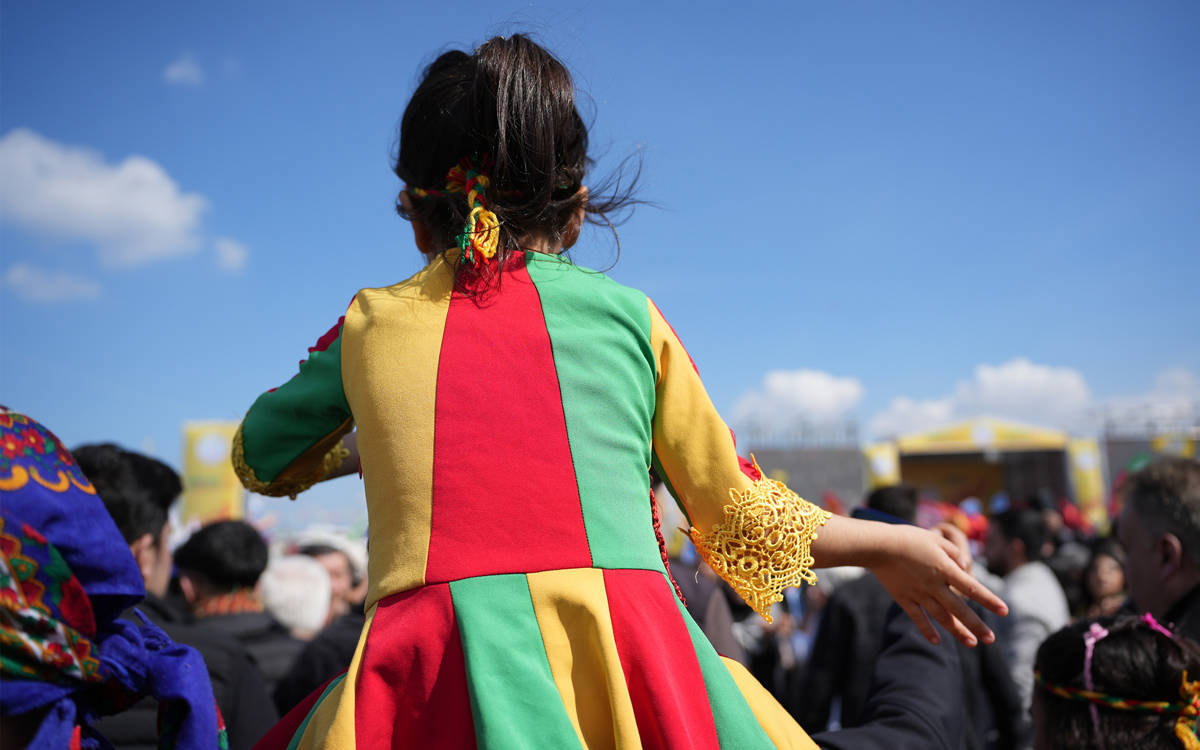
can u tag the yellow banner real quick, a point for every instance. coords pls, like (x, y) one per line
(883, 464)
(1174, 445)
(211, 491)
(1088, 480)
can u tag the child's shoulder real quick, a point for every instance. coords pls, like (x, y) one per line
(549, 270)
(434, 281)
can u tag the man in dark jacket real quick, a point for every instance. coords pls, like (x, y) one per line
(138, 492)
(914, 697)
(850, 639)
(1159, 527)
(219, 567)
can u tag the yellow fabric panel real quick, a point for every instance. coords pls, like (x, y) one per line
(774, 718)
(332, 724)
(571, 608)
(693, 445)
(391, 342)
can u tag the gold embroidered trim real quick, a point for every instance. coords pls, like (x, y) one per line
(763, 544)
(284, 485)
(334, 458)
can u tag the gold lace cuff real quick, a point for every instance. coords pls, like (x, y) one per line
(289, 483)
(763, 543)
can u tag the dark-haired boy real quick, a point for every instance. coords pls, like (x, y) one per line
(219, 567)
(138, 492)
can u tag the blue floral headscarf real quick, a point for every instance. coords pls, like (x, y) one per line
(66, 576)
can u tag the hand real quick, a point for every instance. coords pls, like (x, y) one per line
(960, 541)
(925, 573)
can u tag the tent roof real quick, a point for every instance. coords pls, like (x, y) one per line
(980, 434)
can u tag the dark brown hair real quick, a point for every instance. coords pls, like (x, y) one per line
(513, 103)
(1166, 496)
(1134, 662)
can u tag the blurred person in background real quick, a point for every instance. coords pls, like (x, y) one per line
(1037, 605)
(330, 652)
(838, 682)
(1063, 551)
(138, 492)
(219, 568)
(325, 656)
(1159, 527)
(295, 590)
(344, 579)
(1104, 581)
(66, 576)
(1117, 683)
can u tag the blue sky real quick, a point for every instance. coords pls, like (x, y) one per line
(901, 213)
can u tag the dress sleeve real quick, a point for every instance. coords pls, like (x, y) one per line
(753, 531)
(291, 437)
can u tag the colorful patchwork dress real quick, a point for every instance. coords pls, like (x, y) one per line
(518, 596)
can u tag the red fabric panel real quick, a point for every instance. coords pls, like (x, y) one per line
(665, 684)
(280, 736)
(329, 336)
(747, 467)
(412, 682)
(505, 499)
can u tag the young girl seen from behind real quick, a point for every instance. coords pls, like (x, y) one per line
(507, 407)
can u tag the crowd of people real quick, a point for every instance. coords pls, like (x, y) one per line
(507, 410)
(1110, 662)
(821, 657)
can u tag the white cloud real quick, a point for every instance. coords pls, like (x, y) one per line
(1056, 397)
(789, 397)
(37, 285)
(1020, 389)
(905, 415)
(185, 71)
(1174, 396)
(1017, 389)
(231, 254)
(132, 211)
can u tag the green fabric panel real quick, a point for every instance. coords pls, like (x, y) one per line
(737, 726)
(304, 724)
(514, 700)
(600, 335)
(662, 474)
(284, 423)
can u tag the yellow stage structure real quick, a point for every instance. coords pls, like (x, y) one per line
(982, 456)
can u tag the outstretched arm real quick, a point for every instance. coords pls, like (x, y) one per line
(761, 538)
(291, 437)
(920, 569)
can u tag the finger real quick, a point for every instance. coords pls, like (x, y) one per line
(959, 610)
(919, 617)
(950, 622)
(962, 545)
(973, 589)
(959, 555)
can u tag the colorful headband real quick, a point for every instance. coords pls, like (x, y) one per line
(481, 235)
(1187, 710)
